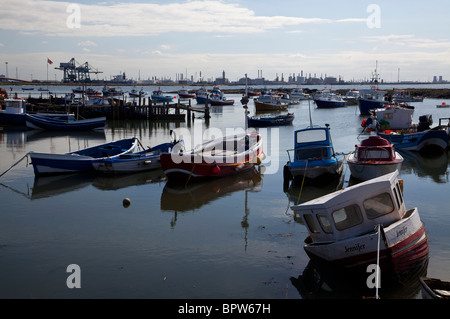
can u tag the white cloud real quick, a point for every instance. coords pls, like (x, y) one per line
(87, 44)
(140, 19)
(409, 40)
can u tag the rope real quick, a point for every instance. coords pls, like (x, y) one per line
(303, 182)
(26, 155)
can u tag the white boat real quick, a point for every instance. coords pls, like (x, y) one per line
(433, 288)
(298, 93)
(365, 224)
(398, 117)
(373, 157)
(405, 96)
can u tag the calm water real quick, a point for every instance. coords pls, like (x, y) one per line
(231, 238)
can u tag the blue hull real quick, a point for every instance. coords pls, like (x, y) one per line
(61, 125)
(323, 104)
(79, 161)
(13, 119)
(201, 100)
(426, 141)
(366, 105)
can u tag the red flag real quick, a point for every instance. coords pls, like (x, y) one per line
(49, 61)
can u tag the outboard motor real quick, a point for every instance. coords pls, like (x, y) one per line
(424, 122)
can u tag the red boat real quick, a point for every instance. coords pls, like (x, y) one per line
(217, 99)
(220, 157)
(184, 94)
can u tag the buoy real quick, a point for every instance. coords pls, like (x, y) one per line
(216, 169)
(126, 202)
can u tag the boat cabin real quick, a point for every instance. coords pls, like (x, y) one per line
(312, 143)
(372, 94)
(15, 106)
(375, 148)
(353, 211)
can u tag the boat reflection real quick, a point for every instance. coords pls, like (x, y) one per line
(49, 186)
(436, 167)
(321, 280)
(182, 197)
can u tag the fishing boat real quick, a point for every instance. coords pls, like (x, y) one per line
(395, 116)
(269, 102)
(265, 121)
(136, 93)
(366, 224)
(107, 91)
(427, 142)
(373, 157)
(313, 155)
(371, 99)
(329, 100)
(215, 158)
(405, 96)
(433, 288)
(159, 96)
(133, 162)
(201, 95)
(251, 92)
(35, 121)
(80, 161)
(13, 112)
(218, 99)
(184, 94)
(298, 93)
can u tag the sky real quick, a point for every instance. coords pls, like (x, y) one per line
(408, 39)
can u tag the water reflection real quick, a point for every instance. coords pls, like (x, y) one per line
(436, 167)
(322, 280)
(182, 197)
(49, 186)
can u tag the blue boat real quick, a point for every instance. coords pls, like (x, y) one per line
(80, 161)
(266, 121)
(329, 100)
(201, 95)
(133, 162)
(14, 112)
(48, 123)
(159, 96)
(313, 155)
(427, 142)
(370, 99)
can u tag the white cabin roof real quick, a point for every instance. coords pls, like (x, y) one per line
(354, 210)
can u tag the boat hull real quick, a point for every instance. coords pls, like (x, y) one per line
(325, 104)
(79, 161)
(212, 162)
(271, 121)
(11, 118)
(317, 169)
(37, 122)
(425, 141)
(365, 105)
(260, 106)
(133, 162)
(364, 170)
(405, 247)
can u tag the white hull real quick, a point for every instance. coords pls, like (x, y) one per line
(365, 171)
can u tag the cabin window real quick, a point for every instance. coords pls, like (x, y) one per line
(312, 225)
(347, 217)
(396, 197)
(311, 136)
(400, 194)
(375, 154)
(378, 205)
(308, 153)
(325, 223)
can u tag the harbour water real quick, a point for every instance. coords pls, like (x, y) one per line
(230, 238)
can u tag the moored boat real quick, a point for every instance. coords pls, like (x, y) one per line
(313, 155)
(184, 94)
(35, 121)
(352, 226)
(133, 162)
(215, 158)
(373, 157)
(218, 99)
(329, 100)
(427, 142)
(433, 288)
(80, 161)
(159, 96)
(136, 93)
(265, 121)
(370, 99)
(269, 102)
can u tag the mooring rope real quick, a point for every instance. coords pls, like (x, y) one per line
(26, 155)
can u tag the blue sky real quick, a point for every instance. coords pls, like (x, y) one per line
(163, 38)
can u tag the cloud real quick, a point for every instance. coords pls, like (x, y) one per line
(87, 44)
(409, 40)
(54, 18)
